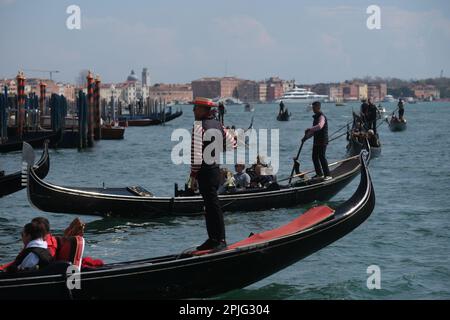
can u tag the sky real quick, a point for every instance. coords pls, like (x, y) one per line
(180, 41)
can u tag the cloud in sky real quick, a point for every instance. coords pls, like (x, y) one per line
(309, 41)
(243, 31)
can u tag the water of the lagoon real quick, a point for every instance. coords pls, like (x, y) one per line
(407, 236)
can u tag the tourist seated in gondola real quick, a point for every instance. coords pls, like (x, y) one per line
(75, 229)
(35, 254)
(359, 132)
(373, 139)
(261, 180)
(370, 135)
(241, 178)
(226, 181)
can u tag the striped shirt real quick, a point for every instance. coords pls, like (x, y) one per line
(198, 145)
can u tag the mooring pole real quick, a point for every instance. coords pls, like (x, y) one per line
(42, 87)
(90, 98)
(20, 103)
(97, 124)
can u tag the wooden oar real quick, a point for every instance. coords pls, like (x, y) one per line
(301, 174)
(296, 158)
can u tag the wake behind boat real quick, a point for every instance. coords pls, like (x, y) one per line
(190, 274)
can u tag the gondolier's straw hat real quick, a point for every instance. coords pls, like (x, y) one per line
(205, 102)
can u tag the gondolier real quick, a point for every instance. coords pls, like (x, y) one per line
(206, 171)
(364, 109)
(320, 132)
(401, 109)
(372, 114)
(221, 112)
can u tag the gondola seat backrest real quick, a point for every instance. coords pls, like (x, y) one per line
(70, 249)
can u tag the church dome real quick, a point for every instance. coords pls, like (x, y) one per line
(132, 77)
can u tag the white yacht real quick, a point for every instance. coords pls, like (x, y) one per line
(389, 98)
(301, 95)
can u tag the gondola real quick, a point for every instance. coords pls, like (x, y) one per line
(284, 116)
(14, 144)
(136, 201)
(397, 125)
(12, 182)
(112, 133)
(144, 122)
(192, 274)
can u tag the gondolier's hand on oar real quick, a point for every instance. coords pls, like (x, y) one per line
(307, 135)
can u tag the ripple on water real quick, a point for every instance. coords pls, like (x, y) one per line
(407, 234)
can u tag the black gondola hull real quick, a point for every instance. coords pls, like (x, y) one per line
(197, 276)
(13, 182)
(119, 202)
(35, 140)
(397, 126)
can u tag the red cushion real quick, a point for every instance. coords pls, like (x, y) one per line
(305, 221)
(308, 219)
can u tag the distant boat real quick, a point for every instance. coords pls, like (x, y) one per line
(395, 124)
(411, 100)
(112, 132)
(297, 95)
(389, 98)
(381, 109)
(340, 104)
(249, 108)
(228, 101)
(284, 116)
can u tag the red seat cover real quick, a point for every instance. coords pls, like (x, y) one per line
(70, 249)
(308, 219)
(305, 221)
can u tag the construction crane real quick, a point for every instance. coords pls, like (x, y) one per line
(50, 72)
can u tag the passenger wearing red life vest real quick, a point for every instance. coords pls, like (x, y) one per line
(76, 228)
(206, 172)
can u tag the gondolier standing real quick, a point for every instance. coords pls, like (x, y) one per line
(207, 172)
(320, 132)
(401, 109)
(372, 113)
(221, 112)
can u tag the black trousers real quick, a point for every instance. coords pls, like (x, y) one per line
(208, 183)
(401, 112)
(320, 160)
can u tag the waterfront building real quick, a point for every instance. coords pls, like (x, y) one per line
(178, 93)
(426, 92)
